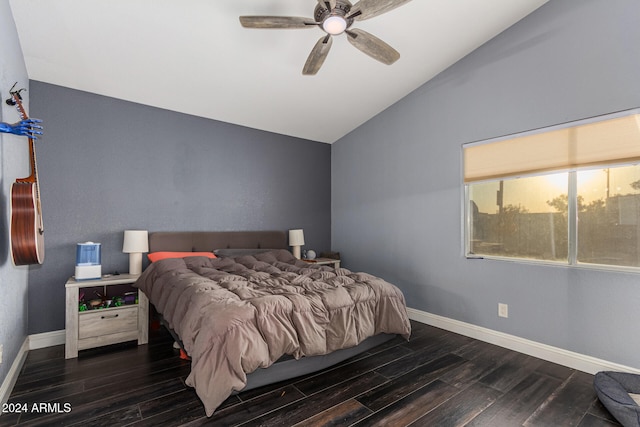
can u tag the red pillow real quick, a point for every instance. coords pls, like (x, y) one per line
(157, 256)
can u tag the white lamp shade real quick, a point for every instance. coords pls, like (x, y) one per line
(296, 237)
(135, 241)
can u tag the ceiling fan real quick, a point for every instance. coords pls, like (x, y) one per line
(335, 17)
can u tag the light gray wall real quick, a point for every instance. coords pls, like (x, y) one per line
(397, 192)
(14, 163)
(107, 165)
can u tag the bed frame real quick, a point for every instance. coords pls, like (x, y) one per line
(205, 241)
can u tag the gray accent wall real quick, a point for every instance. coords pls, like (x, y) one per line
(107, 165)
(14, 163)
(397, 193)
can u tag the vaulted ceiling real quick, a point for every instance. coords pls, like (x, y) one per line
(193, 56)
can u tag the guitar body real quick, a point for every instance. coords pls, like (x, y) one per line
(27, 237)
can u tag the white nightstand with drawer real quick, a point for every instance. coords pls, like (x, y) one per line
(104, 326)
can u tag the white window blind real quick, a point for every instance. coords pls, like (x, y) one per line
(604, 140)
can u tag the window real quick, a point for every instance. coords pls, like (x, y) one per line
(608, 208)
(513, 218)
(578, 204)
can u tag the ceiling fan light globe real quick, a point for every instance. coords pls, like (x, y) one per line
(334, 25)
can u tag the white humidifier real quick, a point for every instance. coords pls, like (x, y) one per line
(88, 261)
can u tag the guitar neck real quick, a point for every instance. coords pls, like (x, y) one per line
(33, 176)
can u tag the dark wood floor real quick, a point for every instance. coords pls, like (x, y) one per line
(436, 379)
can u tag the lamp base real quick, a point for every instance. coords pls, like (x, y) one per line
(135, 264)
(295, 250)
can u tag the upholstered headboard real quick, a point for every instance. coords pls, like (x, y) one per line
(208, 241)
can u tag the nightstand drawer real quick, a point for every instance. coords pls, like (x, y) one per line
(105, 322)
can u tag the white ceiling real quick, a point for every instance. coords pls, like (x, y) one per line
(194, 57)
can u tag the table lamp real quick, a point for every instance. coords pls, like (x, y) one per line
(136, 242)
(296, 239)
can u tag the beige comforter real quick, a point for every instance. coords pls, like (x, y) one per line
(235, 315)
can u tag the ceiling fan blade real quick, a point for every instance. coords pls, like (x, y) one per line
(366, 9)
(276, 22)
(317, 56)
(331, 3)
(373, 46)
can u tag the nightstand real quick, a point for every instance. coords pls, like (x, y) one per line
(104, 326)
(324, 261)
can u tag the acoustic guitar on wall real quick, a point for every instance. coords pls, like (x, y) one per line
(27, 228)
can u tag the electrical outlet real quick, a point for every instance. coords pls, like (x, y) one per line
(503, 310)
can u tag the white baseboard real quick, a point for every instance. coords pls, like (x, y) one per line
(46, 339)
(557, 355)
(14, 371)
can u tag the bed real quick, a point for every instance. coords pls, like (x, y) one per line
(254, 315)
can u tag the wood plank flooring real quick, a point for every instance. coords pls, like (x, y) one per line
(438, 378)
